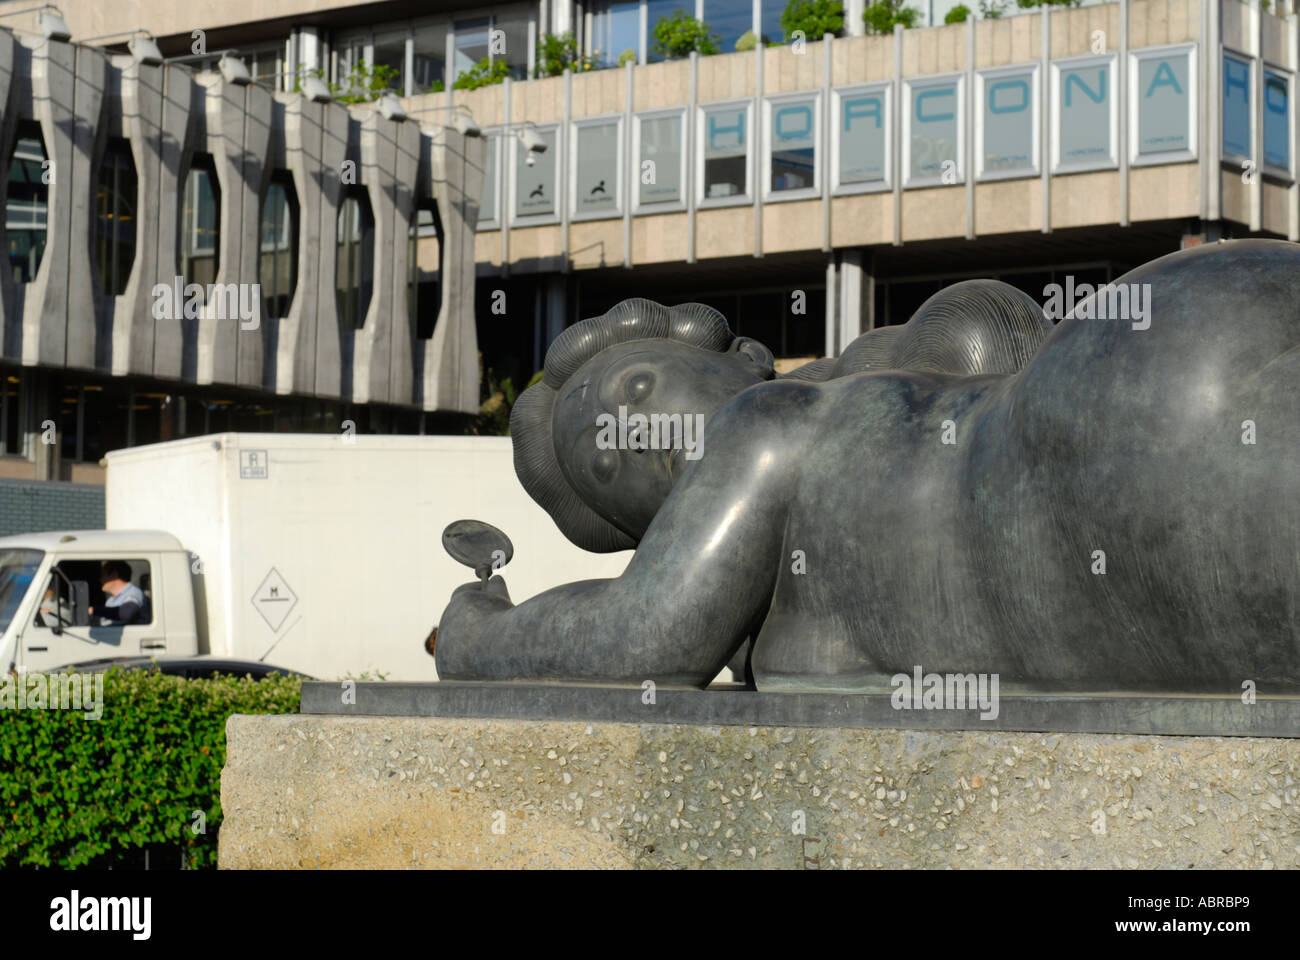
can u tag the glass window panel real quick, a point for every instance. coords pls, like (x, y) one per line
(729, 20)
(933, 129)
(487, 206)
(597, 172)
(1236, 107)
(1163, 104)
(616, 27)
(659, 170)
(770, 21)
(656, 10)
(794, 145)
(1277, 120)
(471, 43)
(726, 148)
(862, 137)
(26, 204)
(115, 221)
(390, 53)
(535, 184)
(200, 223)
(514, 30)
(1084, 115)
(430, 57)
(1009, 123)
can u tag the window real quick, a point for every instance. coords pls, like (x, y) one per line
(390, 51)
(932, 148)
(535, 177)
(489, 217)
(278, 260)
(118, 592)
(115, 222)
(793, 129)
(355, 263)
(770, 21)
(661, 159)
(1084, 134)
(1236, 108)
(615, 28)
(1162, 98)
(860, 138)
(513, 34)
(12, 437)
(657, 10)
(1006, 136)
(729, 20)
(200, 233)
(471, 43)
(724, 157)
(422, 290)
(430, 58)
(596, 187)
(1277, 122)
(27, 202)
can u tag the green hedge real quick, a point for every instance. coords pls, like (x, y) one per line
(77, 792)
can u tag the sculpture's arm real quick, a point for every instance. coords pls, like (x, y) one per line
(700, 582)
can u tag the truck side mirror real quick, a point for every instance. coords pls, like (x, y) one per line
(80, 603)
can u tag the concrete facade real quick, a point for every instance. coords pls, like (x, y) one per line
(80, 98)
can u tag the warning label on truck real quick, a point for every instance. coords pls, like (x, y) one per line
(274, 599)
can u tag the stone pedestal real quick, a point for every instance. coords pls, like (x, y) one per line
(372, 791)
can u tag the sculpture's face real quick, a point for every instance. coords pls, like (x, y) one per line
(599, 409)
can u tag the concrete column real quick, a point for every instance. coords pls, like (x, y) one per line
(258, 164)
(58, 306)
(130, 323)
(853, 304)
(179, 131)
(295, 344)
(340, 142)
(450, 377)
(853, 24)
(373, 341)
(406, 164)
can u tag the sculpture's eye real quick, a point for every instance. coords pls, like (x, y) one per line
(604, 465)
(639, 387)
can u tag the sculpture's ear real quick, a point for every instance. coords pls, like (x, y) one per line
(754, 352)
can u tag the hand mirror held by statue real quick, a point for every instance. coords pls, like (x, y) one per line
(480, 546)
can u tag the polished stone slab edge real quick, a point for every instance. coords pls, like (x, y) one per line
(1168, 716)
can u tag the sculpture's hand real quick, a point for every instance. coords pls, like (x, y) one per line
(469, 616)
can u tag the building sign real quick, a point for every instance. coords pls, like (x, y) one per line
(726, 152)
(1164, 104)
(535, 184)
(933, 132)
(659, 170)
(596, 173)
(1277, 120)
(1236, 107)
(792, 140)
(1085, 112)
(863, 131)
(1007, 141)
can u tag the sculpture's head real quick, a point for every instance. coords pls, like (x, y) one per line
(580, 442)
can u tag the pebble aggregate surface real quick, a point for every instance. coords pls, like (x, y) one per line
(379, 792)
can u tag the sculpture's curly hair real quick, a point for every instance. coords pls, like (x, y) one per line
(530, 419)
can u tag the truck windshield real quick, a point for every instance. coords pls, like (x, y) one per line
(17, 568)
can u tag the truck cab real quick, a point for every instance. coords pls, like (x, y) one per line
(51, 599)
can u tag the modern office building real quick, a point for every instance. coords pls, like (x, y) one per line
(809, 189)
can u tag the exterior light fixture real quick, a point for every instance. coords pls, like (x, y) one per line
(391, 107)
(144, 50)
(234, 70)
(50, 22)
(315, 89)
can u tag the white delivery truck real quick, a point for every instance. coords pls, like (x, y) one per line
(321, 554)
